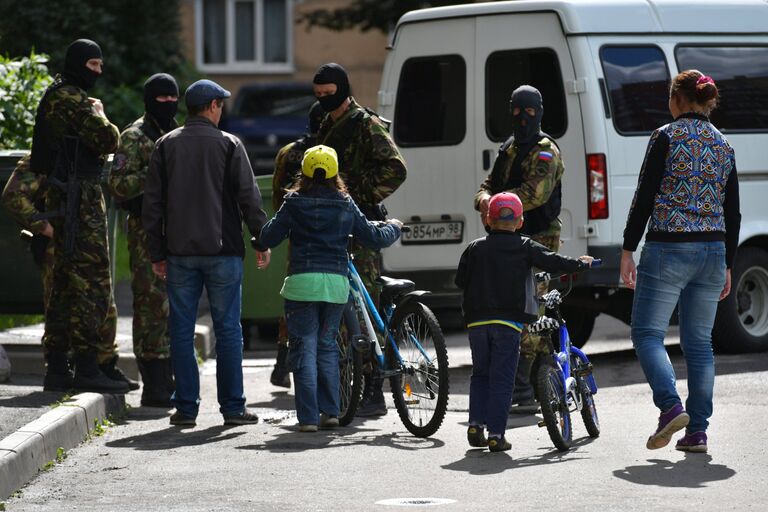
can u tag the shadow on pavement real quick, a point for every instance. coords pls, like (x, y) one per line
(291, 440)
(694, 471)
(175, 437)
(33, 400)
(280, 400)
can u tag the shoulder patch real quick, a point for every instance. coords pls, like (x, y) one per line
(119, 161)
(545, 156)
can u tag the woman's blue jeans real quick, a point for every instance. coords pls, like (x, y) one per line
(313, 356)
(222, 277)
(690, 275)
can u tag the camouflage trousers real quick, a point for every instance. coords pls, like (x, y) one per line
(80, 314)
(150, 298)
(532, 344)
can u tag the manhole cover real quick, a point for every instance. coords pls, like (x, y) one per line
(415, 502)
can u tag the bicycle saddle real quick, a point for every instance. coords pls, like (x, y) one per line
(391, 288)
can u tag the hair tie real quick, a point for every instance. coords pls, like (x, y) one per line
(704, 79)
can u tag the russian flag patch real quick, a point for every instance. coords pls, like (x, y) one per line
(545, 156)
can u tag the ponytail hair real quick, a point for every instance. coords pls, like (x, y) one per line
(697, 88)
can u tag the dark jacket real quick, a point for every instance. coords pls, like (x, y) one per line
(199, 190)
(496, 275)
(319, 223)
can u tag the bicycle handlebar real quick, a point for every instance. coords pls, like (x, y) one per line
(546, 276)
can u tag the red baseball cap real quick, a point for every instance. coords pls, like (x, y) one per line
(505, 206)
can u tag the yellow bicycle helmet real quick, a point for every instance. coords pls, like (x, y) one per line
(320, 157)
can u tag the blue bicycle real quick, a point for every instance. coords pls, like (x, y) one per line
(409, 350)
(564, 383)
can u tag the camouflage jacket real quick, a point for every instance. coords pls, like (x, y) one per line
(131, 162)
(288, 167)
(24, 194)
(370, 164)
(542, 171)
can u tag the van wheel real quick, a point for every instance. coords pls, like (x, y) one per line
(741, 324)
(580, 323)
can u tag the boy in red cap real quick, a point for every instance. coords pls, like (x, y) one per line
(496, 275)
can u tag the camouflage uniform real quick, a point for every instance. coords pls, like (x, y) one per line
(541, 174)
(23, 193)
(150, 299)
(79, 312)
(371, 167)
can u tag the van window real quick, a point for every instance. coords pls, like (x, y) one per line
(638, 80)
(507, 70)
(430, 109)
(741, 75)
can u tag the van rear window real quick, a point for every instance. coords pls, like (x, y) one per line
(638, 80)
(507, 70)
(431, 109)
(741, 75)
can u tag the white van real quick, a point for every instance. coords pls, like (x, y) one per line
(603, 68)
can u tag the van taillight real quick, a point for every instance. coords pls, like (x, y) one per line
(597, 179)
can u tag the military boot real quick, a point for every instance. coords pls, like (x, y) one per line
(280, 375)
(58, 374)
(89, 377)
(154, 392)
(111, 370)
(522, 396)
(373, 403)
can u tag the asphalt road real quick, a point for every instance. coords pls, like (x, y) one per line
(145, 464)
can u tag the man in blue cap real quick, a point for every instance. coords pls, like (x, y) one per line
(199, 186)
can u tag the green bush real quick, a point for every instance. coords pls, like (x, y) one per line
(22, 83)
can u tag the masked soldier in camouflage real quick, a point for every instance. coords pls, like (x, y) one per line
(529, 165)
(126, 182)
(287, 173)
(71, 139)
(24, 199)
(371, 166)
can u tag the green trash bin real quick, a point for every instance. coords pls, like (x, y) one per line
(262, 303)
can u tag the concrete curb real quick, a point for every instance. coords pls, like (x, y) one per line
(26, 451)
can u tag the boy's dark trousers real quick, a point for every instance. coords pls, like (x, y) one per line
(495, 352)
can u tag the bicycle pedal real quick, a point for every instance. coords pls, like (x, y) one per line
(584, 371)
(542, 423)
(361, 345)
(412, 402)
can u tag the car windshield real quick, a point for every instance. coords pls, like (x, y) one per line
(275, 103)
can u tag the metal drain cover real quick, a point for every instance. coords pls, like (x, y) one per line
(415, 502)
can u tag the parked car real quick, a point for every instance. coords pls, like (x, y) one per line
(268, 116)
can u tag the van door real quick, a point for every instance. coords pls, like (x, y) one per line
(517, 49)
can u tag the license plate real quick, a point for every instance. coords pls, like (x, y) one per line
(433, 232)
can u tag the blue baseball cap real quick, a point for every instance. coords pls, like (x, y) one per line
(204, 91)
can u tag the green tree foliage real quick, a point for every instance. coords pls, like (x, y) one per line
(22, 84)
(137, 37)
(369, 14)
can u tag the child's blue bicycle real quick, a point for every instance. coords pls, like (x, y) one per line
(413, 357)
(564, 383)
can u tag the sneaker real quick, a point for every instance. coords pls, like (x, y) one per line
(669, 422)
(179, 419)
(372, 405)
(328, 421)
(307, 428)
(498, 444)
(695, 442)
(245, 418)
(476, 437)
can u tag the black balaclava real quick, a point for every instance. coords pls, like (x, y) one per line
(161, 84)
(524, 97)
(316, 115)
(332, 73)
(78, 54)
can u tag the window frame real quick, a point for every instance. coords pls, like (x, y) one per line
(417, 58)
(608, 89)
(724, 45)
(238, 66)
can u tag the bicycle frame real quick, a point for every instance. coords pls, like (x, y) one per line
(563, 363)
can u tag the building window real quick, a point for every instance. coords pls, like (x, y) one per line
(244, 36)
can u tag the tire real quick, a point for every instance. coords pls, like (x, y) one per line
(741, 324)
(350, 375)
(580, 323)
(588, 409)
(554, 407)
(420, 391)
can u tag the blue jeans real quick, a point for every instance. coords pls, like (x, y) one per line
(495, 352)
(222, 277)
(313, 357)
(690, 275)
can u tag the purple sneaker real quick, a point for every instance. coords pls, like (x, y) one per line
(669, 422)
(696, 442)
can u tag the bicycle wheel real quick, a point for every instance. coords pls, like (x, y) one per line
(554, 407)
(420, 389)
(350, 376)
(588, 409)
